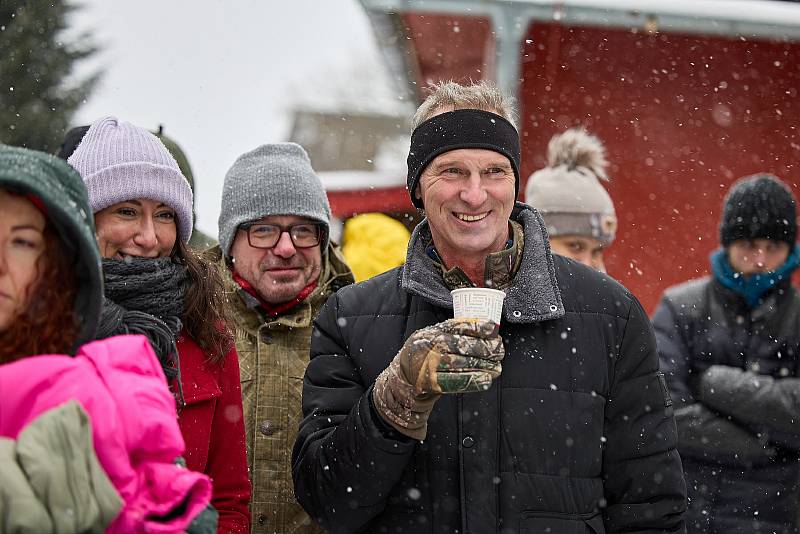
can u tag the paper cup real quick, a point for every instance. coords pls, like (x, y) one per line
(478, 303)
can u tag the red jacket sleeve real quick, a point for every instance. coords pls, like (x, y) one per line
(213, 427)
(227, 454)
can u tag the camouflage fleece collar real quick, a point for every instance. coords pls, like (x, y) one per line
(533, 294)
(500, 266)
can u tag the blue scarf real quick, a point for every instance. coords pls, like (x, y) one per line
(753, 287)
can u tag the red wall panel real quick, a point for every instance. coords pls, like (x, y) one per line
(681, 116)
(449, 47)
(345, 204)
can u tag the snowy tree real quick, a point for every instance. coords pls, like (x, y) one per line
(38, 92)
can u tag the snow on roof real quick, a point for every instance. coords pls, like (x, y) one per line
(742, 19)
(360, 180)
(759, 11)
(721, 17)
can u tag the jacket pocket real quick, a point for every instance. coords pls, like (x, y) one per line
(557, 523)
(196, 419)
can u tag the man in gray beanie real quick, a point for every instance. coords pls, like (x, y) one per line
(579, 214)
(280, 267)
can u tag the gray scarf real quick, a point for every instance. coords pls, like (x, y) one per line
(146, 296)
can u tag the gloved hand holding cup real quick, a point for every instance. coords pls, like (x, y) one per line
(460, 355)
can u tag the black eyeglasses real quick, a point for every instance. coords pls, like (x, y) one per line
(265, 235)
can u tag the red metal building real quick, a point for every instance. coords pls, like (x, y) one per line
(687, 96)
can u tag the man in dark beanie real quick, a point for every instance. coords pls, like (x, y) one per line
(554, 420)
(729, 344)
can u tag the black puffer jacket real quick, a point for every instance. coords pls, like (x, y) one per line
(737, 441)
(576, 436)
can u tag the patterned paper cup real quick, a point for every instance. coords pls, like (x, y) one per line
(478, 302)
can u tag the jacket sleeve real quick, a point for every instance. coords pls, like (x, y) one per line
(673, 354)
(227, 456)
(51, 479)
(761, 401)
(643, 476)
(703, 432)
(20, 509)
(344, 462)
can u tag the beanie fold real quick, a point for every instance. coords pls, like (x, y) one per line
(600, 226)
(137, 180)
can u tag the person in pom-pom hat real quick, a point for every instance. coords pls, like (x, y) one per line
(730, 348)
(555, 420)
(568, 193)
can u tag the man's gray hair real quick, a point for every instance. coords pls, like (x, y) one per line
(450, 96)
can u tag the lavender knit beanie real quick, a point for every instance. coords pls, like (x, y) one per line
(119, 161)
(275, 179)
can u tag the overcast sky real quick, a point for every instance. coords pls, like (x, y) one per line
(222, 77)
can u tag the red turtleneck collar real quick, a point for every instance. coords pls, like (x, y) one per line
(273, 310)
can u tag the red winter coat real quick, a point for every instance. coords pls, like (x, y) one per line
(213, 428)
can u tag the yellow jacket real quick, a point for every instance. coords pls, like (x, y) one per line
(373, 244)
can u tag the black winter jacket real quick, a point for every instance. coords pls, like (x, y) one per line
(737, 441)
(575, 436)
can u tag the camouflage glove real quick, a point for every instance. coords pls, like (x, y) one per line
(454, 356)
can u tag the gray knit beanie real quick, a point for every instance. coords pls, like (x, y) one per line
(275, 179)
(119, 161)
(568, 193)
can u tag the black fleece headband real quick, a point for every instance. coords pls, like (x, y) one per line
(462, 128)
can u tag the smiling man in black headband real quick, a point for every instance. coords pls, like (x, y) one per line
(557, 421)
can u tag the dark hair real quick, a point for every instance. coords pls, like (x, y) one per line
(49, 324)
(204, 317)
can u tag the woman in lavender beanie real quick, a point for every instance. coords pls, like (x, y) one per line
(156, 286)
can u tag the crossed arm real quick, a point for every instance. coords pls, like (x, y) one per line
(726, 413)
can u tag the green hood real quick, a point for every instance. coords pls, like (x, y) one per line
(61, 190)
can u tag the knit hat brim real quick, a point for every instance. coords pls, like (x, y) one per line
(163, 184)
(600, 226)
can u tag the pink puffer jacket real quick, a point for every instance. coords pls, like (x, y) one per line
(120, 384)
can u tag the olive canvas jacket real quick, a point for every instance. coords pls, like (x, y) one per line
(273, 354)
